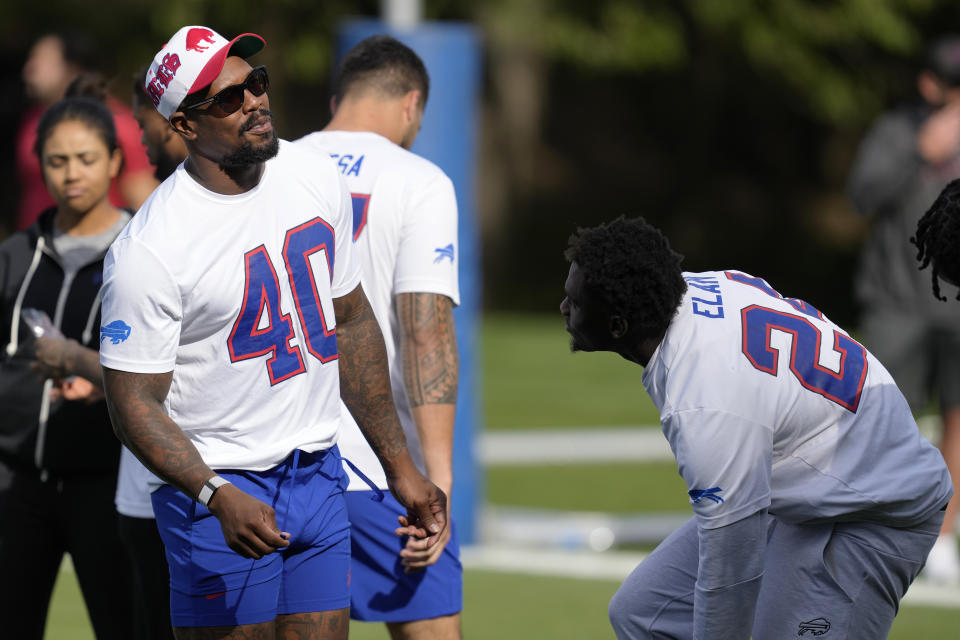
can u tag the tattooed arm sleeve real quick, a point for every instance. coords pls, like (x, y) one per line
(135, 401)
(428, 345)
(365, 381)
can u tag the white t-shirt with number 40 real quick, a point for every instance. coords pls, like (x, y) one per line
(405, 226)
(234, 295)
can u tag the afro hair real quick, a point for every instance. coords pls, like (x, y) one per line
(630, 266)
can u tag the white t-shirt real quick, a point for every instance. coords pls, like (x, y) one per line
(405, 226)
(766, 403)
(234, 295)
(134, 484)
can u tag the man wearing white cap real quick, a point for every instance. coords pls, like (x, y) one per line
(233, 324)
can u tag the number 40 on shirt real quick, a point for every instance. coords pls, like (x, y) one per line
(261, 327)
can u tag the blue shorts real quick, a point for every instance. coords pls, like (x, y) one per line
(380, 591)
(211, 585)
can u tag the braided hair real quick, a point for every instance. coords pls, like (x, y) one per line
(630, 266)
(938, 238)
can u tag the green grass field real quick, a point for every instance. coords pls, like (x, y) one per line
(531, 380)
(514, 607)
(654, 486)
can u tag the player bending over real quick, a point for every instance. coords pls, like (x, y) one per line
(816, 499)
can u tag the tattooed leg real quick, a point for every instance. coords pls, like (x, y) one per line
(261, 631)
(320, 625)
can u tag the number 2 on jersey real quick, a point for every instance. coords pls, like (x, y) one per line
(842, 387)
(261, 328)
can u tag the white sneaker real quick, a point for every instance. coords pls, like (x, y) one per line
(943, 563)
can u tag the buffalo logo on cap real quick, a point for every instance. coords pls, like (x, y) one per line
(199, 40)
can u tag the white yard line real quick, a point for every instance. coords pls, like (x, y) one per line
(617, 565)
(578, 445)
(924, 594)
(588, 445)
(609, 565)
(527, 526)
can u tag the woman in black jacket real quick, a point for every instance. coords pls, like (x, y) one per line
(58, 457)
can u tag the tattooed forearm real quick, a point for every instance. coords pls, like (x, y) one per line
(135, 401)
(364, 377)
(429, 347)
(430, 371)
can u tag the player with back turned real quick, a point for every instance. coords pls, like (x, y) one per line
(233, 324)
(816, 499)
(405, 228)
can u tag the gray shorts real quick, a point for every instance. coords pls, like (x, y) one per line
(921, 355)
(846, 577)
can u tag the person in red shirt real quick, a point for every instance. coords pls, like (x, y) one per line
(54, 61)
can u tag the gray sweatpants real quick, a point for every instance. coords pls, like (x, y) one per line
(845, 577)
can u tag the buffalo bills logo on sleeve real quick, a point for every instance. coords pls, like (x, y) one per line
(117, 331)
(696, 495)
(444, 252)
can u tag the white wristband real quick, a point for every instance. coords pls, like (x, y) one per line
(208, 489)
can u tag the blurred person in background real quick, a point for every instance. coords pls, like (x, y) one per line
(815, 498)
(164, 147)
(54, 61)
(138, 527)
(62, 358)
(58, 453)
(405, 231)
(903, 163)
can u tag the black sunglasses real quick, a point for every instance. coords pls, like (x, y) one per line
(231, 98)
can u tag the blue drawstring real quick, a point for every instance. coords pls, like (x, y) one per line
(376, 497)
(290, 483)
(378, 492)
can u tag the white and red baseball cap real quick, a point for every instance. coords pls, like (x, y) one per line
(190, 61)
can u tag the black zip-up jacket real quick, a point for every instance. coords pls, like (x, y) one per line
(37, 435)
